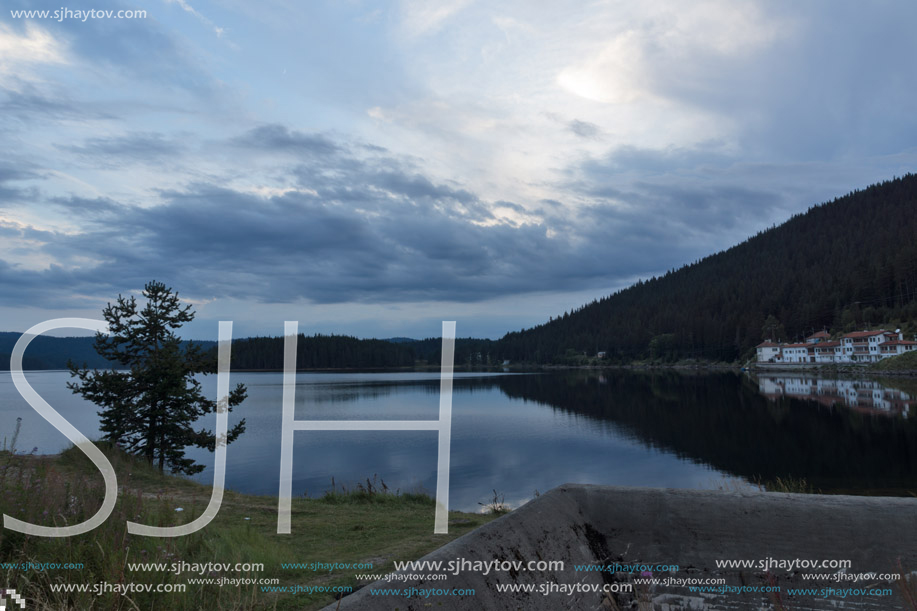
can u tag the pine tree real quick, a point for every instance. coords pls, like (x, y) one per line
(149, 408)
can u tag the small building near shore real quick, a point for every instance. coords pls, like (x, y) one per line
(767, 352)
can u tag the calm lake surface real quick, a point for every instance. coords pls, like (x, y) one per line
(518, 433)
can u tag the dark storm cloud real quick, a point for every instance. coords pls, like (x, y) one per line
(233, 244)
(368, 229)
(375, 229)
(419, 187)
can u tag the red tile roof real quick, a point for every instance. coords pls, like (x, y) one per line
(856, 334)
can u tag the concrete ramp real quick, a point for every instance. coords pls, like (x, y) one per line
(619, 529)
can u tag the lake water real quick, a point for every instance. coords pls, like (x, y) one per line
(518, 433)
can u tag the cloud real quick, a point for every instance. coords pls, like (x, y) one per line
(664, 47)
(21, 51)
(422, 18)
(629, 160)
(679, 204)
(190, 9)
(584, 129)
(28, 102)
(279, 138)
(320, 220)
(141, 51)
(15, 171)
(90, 210)
(136, 146)
(361, 229)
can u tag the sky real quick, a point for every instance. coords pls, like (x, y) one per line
(375, 168)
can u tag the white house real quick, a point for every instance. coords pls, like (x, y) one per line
(856, 347)
(825, 351)
(798, 353)
(864, 346)
(896, 347)
(768, 352)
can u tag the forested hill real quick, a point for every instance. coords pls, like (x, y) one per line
(841, 265)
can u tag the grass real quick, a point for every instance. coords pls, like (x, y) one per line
(902, 362)
(367, 524)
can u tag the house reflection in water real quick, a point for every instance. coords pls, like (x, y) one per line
(867, 396)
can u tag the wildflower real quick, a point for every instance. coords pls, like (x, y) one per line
(179, 509)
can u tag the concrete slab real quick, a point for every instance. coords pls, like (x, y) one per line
(600, 526)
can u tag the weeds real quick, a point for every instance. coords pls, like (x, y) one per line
(735, 484)
(908, 589)
(12, 447)
(774, 595)
(788, 484)
(42, 491)
(497, 505)
(374, 490)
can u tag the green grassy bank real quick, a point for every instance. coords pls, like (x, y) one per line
(370, 525)
(902, 362)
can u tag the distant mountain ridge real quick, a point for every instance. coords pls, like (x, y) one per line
(266, 353)
(841, 265)
(47, 352)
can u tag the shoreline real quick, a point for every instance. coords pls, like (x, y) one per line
(521, 368)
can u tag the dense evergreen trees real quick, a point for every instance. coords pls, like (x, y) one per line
(266, 353)
(46, 352)
(842, 265)
(344, 352)
(320, 352)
